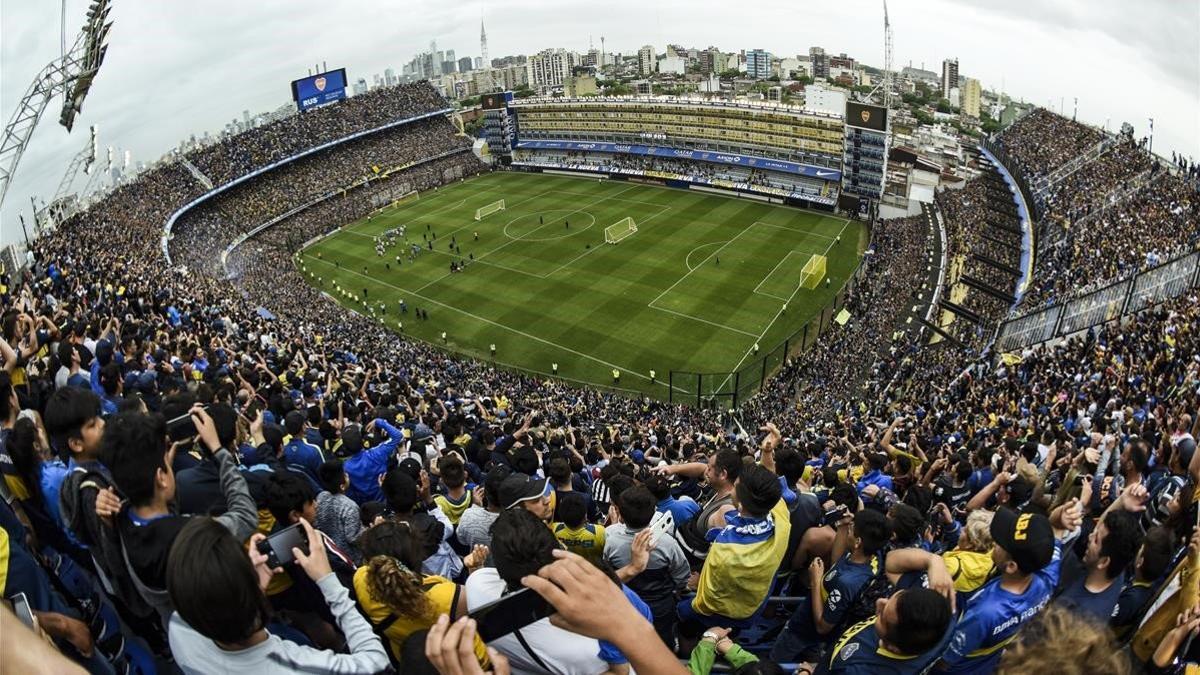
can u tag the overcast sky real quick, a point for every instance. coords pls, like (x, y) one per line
(175, 68)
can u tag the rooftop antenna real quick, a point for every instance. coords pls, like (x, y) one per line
(887, 61)
(887, 58)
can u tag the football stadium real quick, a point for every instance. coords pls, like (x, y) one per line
(628, 359)
(599, 275)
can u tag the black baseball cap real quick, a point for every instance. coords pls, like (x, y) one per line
(352, 442)
(1020, 491)
(519, 488)
(412, 467)
(1027, 537)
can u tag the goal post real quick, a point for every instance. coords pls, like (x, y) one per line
(484, 211)
(619, 230)
(813, 272)
(410, 196)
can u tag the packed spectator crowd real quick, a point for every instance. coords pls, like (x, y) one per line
(1043, 141)
(223, 218)
(1188, 167)
(1105, 218)
(854, 360)
(253, 149)
(1075, 196)
(694, 171)
(984, 236)
(193, 483)
(1147, 227)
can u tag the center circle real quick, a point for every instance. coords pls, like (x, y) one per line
(529, 224)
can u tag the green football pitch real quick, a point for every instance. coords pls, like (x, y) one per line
(703, 280)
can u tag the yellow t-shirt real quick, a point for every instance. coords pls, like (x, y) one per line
(443, 599)
(969, 570)
(741, 565)
(587, 541)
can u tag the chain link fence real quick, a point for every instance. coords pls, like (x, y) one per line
(729, 389)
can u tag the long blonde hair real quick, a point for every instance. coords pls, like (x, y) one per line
(393, 584)
(977, 531)
(393, 553)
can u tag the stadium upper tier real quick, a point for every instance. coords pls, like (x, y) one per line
(1105, 207)
(267, 151)
(215, 222)
(243, 153)
(773, 131)
(767, 149)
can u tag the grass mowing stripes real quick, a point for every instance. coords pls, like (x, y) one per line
(702, 280)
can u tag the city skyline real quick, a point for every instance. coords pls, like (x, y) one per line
(208, 70)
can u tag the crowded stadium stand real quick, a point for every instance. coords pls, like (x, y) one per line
(899, 495)
(775, 150)
(1106, 209)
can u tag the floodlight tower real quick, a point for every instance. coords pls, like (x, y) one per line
(93, 183)
(83, 160)
(70, 75)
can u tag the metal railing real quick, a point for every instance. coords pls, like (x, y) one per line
(1127, 296)
(727, 390)
(1044, 184)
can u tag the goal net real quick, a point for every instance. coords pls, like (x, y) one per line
(390, 198)
(484, 211)
(813, 272)
(619, 230)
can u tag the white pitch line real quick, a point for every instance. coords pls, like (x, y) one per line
(764, 279)
(480, 258)
(687, 260)
(689, 272)
(778, 314)
(623, 369)
(792, 229)
(696, 318)
(619, 199)
(423, 215)
(581, 208)
(592, 250)
(488, 264)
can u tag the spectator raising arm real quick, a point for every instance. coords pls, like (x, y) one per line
(588, 603)
(241, 516)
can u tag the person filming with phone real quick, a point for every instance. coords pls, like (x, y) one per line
(222, 621)
(135, 449)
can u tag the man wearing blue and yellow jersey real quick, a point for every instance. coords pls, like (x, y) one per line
(299, 452)
(744, 555)
(833, 593)
(575, 533)
(1027, 554)
(904, 638)
(456, 496)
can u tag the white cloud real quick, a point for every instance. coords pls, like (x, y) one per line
(178, 68)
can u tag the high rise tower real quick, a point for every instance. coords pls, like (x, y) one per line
(483, 44)
(488, 83)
